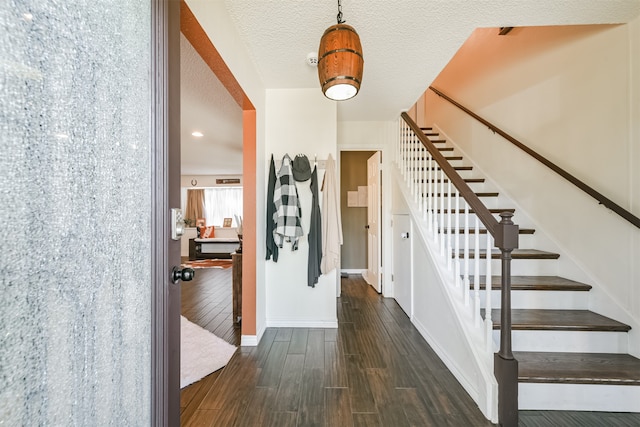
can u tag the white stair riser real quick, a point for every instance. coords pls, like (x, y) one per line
(519, 267)
(579, 397)
(526, 240)
(548, 300)
(568, 341)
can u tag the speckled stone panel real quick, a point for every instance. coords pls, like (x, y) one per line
(75, 265)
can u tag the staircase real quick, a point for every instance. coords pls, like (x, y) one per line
(569, 357)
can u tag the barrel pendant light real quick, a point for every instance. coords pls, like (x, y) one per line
(340, 61)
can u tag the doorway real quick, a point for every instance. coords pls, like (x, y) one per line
(354, 205)
(196, 36)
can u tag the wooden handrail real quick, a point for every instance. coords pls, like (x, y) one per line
(466, 192)
(566, 175)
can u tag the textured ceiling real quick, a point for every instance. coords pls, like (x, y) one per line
(206, 106)
(406, 43)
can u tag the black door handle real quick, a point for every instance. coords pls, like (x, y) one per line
(185, 274)
(366, 226)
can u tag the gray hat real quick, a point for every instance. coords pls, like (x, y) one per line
(301, 168)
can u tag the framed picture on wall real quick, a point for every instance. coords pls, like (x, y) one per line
(201, 222)
(226, 222)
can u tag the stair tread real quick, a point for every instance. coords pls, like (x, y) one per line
(537, 283)
(458, 168)
(480, 194)
(559, 320)
(493, 210)
(439, 181)
(516, 254)
(578, 368)
(484, 230)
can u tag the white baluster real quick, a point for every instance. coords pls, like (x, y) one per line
(449, 228)
(456, 260)
(443, 218)
(414, 164)
(430, 216)
(412, 157)
(398, 147)
(476, 275)
(465, 281)
(488, 323)
(425, 185)
(418, 172)
(434, 204)
(404, 156)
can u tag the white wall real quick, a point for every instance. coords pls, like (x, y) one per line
(299, 121)
(439, 312)
(375, 135)
(571, 94)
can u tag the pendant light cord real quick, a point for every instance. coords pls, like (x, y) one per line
(339, 17)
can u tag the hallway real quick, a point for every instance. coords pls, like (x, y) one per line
(374, 370)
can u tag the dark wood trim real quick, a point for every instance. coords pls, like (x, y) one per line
(165, 127)
(557, 169)
(199, 39)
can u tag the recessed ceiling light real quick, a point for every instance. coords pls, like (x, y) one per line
(197, 134)
(61, 136)
(27, 16)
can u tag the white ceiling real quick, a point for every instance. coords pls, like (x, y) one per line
(207, 107)
(406, 43)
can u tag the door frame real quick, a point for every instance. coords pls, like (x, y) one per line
(165, 192)
(386, 287)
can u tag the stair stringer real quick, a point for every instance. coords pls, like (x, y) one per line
(461, 345)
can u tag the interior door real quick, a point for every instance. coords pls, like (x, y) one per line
(402, 280)
(372, 275)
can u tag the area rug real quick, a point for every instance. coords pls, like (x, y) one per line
(208, 263)
(201, 352)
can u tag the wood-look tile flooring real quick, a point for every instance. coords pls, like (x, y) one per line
(374, 370)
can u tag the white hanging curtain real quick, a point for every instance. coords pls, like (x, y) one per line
(222, 202)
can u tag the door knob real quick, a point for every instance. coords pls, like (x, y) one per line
(185, 274)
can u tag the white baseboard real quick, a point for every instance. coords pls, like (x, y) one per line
(352, 271)
(293, 323)
(447, 360)
(249, 340)
(252, 340)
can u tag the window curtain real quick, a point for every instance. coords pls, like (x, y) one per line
(222, 202)
(195, 205)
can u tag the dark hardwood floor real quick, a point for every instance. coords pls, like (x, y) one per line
(374, 370)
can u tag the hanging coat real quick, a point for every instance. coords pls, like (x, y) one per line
(272, 248)
(331, 224)
(288, 213)
(315, 234)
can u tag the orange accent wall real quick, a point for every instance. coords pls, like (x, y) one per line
(193, 31)
(249, 222)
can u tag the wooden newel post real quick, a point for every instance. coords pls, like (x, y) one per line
(505, 365)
